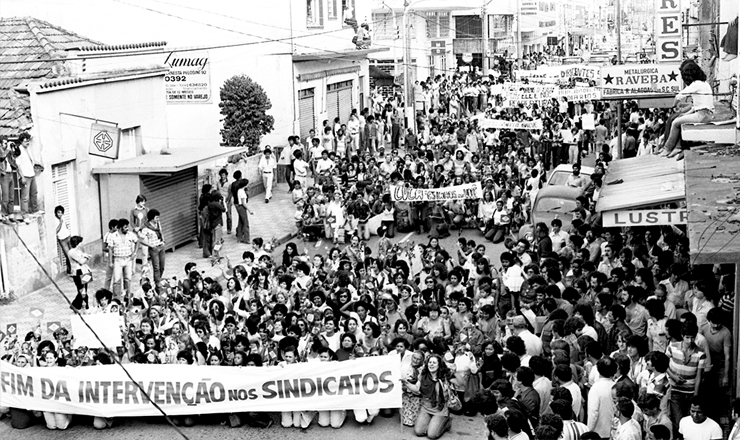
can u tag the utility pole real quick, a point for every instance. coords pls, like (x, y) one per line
(484, 39)
(565, 28)
(519, 46)
(618, 22)
(408, 86)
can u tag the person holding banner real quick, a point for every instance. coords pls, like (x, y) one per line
(55, 420)
(435, 390)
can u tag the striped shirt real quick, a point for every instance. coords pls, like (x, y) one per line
(686, 369)
(572, 430)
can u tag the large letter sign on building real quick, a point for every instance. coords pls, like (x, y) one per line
(668, 48)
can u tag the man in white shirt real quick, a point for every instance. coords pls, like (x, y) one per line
(532, 342)
(600, 406)
(267, 167)
(697, 426)
(26, 166)
(576, 180)
(628, 428)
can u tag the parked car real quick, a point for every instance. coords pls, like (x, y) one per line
(556, 201)
(560, 174)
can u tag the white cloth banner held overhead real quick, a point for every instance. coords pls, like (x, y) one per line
(466, 191)
(106, 325)
(106, 391)
(501, 124)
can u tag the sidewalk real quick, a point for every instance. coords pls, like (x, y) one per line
(46, 306)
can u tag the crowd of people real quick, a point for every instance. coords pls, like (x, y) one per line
(572, 331)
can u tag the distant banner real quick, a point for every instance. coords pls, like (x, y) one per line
(106, 391)
(518, 93)
(466, 191)
(560, 74)
(580, 94)
(500, 124)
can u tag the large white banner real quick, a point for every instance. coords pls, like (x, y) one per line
(519, 93)
(560, 74)
(466, 191)
(106, 391)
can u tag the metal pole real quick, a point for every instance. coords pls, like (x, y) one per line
(484, 39)
(406, 95)
(565, 29)
(618, 22)
(519, 46)
(408, 85)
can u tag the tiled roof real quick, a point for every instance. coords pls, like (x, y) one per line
(107, 48)
(26, 47)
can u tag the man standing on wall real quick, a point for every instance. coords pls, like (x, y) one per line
(267, 167)
(7, 166)
(28, 163)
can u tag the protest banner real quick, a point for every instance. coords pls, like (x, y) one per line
(466, 191)
(560, 74)
(580, 94)
(629, 81)
(501, 124)
(106, 390)
(106, 325)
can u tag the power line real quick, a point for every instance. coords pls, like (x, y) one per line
(113, 356)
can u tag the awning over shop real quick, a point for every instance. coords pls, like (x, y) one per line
(377, 73)
(713, 197)
(640, 182)
(174, 160)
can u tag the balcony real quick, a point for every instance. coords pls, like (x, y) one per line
(474, 45)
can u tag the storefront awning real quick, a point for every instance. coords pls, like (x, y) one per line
(642, 181)
(174, 160)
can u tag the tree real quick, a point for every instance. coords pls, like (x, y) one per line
(244, 105)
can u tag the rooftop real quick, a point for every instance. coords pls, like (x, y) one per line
(30, 50)
(713, 198)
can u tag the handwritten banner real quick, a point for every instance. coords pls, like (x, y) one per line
(106, 391)
(518, 93)
(560, 74)
(501, 124)
(466, 191)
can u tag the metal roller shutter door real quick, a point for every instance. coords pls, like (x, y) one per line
(332, 105)
(176, 199)
(305, 112)
(339, 101)
(345, 104)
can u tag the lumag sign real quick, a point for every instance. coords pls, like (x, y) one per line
(628, 81)
(647, 217)
(459, 192)
(189, 78)
(668, 47)
(106, 391)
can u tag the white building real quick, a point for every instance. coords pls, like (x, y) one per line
(300, 52)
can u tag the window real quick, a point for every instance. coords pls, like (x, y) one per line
(314, 13)
(468, 26)
(383, 23)
(438, 24)
(331, 8)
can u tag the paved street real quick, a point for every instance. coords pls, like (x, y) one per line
(157, 429)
